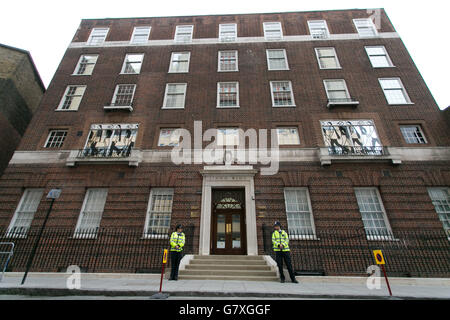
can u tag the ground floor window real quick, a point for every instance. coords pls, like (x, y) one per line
(441, 201)
(298, 211)
(25, 212)
(159, 212)
(91, 213)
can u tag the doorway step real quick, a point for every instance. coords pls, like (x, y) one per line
(228, 267)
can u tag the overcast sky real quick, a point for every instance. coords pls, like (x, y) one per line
(45, 27)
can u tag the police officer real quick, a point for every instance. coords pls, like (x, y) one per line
(280, 242)
(177, 240)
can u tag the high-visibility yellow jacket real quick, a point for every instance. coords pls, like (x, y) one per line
(177, 239)
(280, 238)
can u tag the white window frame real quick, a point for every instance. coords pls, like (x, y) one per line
(77, 68)
(268, 60)
(338, 64)
(237, 95)
(148, 218)
(60, 141)
(124, 65)
(288, 127)
(219, 64)
(138, 31)
(166, 93)
(171, 68)
(90, 234)
(174, 130)
(93, 35)
(369, 23)
(183, 39)
(386, 54)
(347, 93)
(292, 94)
(293, 234)
(114, 98)
(442, 202)
(11, 233)
(268, 30)
(402, 87)
(388, 230)
(416, 126)
(222, 38)
(66, 92)
(325, 25)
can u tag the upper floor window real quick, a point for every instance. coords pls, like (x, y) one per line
(273, 31)
(277, 59)
(228, 61)
(25, 212)
(132, 63)
(413, 134)
(184, 33)
(169, 137)
(365, 27)
(228, 95)
(282, 95)
(379, 57)
(98, 36)
(327, 58)
(140, 35)
(228, 136)
(55, 139)
(441, 201)
(179, 62)
(288, 136)
(72, 98)
(228, 32)
(123, 95)
(336, 90)
(175, 96)
(318, 29)
(91, 213)
(394, 91)
(86, 64)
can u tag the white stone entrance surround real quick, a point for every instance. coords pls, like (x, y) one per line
(228, 176)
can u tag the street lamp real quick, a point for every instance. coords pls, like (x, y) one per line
(53, 194)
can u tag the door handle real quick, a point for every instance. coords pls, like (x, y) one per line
(228, 228)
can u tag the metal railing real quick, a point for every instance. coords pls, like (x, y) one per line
(356, 151)
(6, 252)
(345, 251)
(123, 152)
(112, 249)
(335, 101)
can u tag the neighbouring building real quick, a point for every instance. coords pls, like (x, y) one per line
(21, 90)
(360, 157)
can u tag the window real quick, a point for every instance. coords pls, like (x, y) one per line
(299, 214)
(227, 32)
(228, 61)
(282, 94)
(169, 137)
(394, 91)
(350, 137)
(337, 90)
(227, 136)
(379, 57)
(132, 63)
(318, 29)
(110, 141)
(273, 31)
(123, 95)
(159, 212)
(365, 27)
(441, 201)
(228, 94)
(86, 65)
(175, 96)
(373, 213)
(98, 36)
(183, 33)
(55, 139)
(413, 134)
(72, 98)
(140, 35)
(288, 136)
(25, 212)
(91, 213)
(277, 59)
(179, 62)
(327, 58)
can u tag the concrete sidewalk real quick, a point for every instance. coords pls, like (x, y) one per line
(55, 284)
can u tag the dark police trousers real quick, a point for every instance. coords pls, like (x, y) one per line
(286, 256)
(175, 258)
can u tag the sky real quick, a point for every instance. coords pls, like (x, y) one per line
(45, 28)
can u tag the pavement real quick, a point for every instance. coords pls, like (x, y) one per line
(147, 285)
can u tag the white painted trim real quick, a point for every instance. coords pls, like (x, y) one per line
(285, 59)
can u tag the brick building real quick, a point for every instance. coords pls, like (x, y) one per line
(21, 90)
(361, 143)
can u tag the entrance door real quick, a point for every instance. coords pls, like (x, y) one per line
(228, 229)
